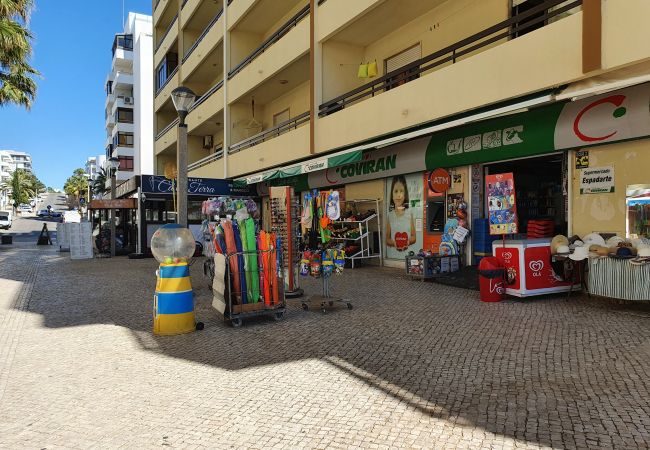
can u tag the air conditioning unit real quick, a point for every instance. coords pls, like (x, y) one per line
(207, 142)
(128, 100)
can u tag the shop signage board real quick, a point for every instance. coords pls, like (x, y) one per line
(502, 204)
(602, 119)
(582, 159)
(118, 203)
(597, 180)
(157, 184)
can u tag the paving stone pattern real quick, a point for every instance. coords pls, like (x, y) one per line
(413, 365)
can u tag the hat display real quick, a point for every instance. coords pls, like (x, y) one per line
(562, 250)
(594, 238)
(599, 250)
(580, 253)
(622, 253)
(577, 243)
(643, 256)
(614, 241)
(558, 241)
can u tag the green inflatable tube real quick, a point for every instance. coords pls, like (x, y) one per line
(251, 260)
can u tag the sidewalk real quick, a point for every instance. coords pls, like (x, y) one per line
(412, 365)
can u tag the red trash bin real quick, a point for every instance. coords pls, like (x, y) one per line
(490, 275)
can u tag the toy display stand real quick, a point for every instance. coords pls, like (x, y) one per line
(325, 299)
(364, 229)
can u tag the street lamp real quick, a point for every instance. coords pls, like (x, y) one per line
(183, 99)
(88, 178)
(112, 164)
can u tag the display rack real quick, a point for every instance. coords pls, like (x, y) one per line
(362, 236)
(285, 211)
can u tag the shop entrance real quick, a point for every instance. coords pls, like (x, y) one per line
(539, 193)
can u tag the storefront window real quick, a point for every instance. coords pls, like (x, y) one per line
(638, 210)
(194, 213)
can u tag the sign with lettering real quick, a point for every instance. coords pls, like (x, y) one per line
(439, 181)
(597, 180)
(118, 203)
(208, 187)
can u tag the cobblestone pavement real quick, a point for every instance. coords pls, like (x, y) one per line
(414, 365)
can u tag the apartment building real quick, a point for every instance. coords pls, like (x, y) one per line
(352, 94)
(129, 99)
(13, 160)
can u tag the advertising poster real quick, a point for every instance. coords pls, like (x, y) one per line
(502, 206)
(597, 180)
(404, 207)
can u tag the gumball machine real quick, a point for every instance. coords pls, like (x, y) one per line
(172, 245)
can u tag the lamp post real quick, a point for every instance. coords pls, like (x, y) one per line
(88, 179)
(112, 163)
(183, 99)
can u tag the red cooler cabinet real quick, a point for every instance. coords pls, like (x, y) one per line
(528, 267)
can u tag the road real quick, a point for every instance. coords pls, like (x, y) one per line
(27, 227)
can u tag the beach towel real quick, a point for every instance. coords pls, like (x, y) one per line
(231, 248)
(254, 288)
(218, 283)
(240, 262)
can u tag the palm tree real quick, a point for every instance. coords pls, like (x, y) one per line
(21, 186)
(99, 183)
(76, 185)
(16, 82)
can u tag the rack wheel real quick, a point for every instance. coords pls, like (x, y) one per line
(278, 315)
(236, 323)
(305, 306)
(349, 305)
(199, 326)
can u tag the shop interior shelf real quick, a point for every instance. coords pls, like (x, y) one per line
(351, 239)
(355, 221)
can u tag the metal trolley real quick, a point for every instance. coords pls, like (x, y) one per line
(245, 297)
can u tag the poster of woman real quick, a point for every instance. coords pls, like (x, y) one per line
(404, 200)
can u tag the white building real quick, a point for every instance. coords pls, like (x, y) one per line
(129, 99)
(91, 167)
(11, 160)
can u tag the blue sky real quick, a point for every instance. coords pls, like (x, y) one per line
(72, 50)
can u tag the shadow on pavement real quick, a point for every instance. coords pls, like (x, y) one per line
(509, 367)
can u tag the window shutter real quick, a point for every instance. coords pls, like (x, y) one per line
(406, 57)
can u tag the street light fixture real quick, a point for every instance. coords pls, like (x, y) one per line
(183, 99)
(112, 164)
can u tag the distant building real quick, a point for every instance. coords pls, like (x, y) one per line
(91, 167)
(10, 160)
(129, 99)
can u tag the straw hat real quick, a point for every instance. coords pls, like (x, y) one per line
(580, 253)
(594, 238)
(562, 250)
(643, 256)
(599, 250)
(558, 241)
(614, 241)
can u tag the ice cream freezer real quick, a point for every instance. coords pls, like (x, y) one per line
(528, 267)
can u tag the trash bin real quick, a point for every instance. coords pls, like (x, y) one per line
(490, 273)
(7, 239)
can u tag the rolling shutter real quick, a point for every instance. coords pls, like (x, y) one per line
(401, 59)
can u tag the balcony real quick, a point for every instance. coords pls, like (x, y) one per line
(206, 107)
(209, 167)
(168, 42)
(122, 53)
(122, 80)
(204, 44)
(460, 77)
(163, 94)
(287, 142)
(163, 11)
(166, 137)
(122, 101)
(284, 47)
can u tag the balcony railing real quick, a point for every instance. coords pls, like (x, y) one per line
(169, 77)
(203, 34)
(167, 128)
(276, 131)
(508, 28)
(275, 37)
(169, 28)
(123, 41)
(207, 95)
(217, 155)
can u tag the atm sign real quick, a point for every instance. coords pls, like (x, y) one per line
(439, 181)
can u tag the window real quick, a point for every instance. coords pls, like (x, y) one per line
(124, 115)
(123, 140)
(126, 163)
(165, 69)
(280, 117)
(123, 41)
(402, 59)
(109, 87)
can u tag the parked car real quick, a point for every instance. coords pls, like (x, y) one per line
(43, 213)
(55, 214)
(24, 209)
(5, 219)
